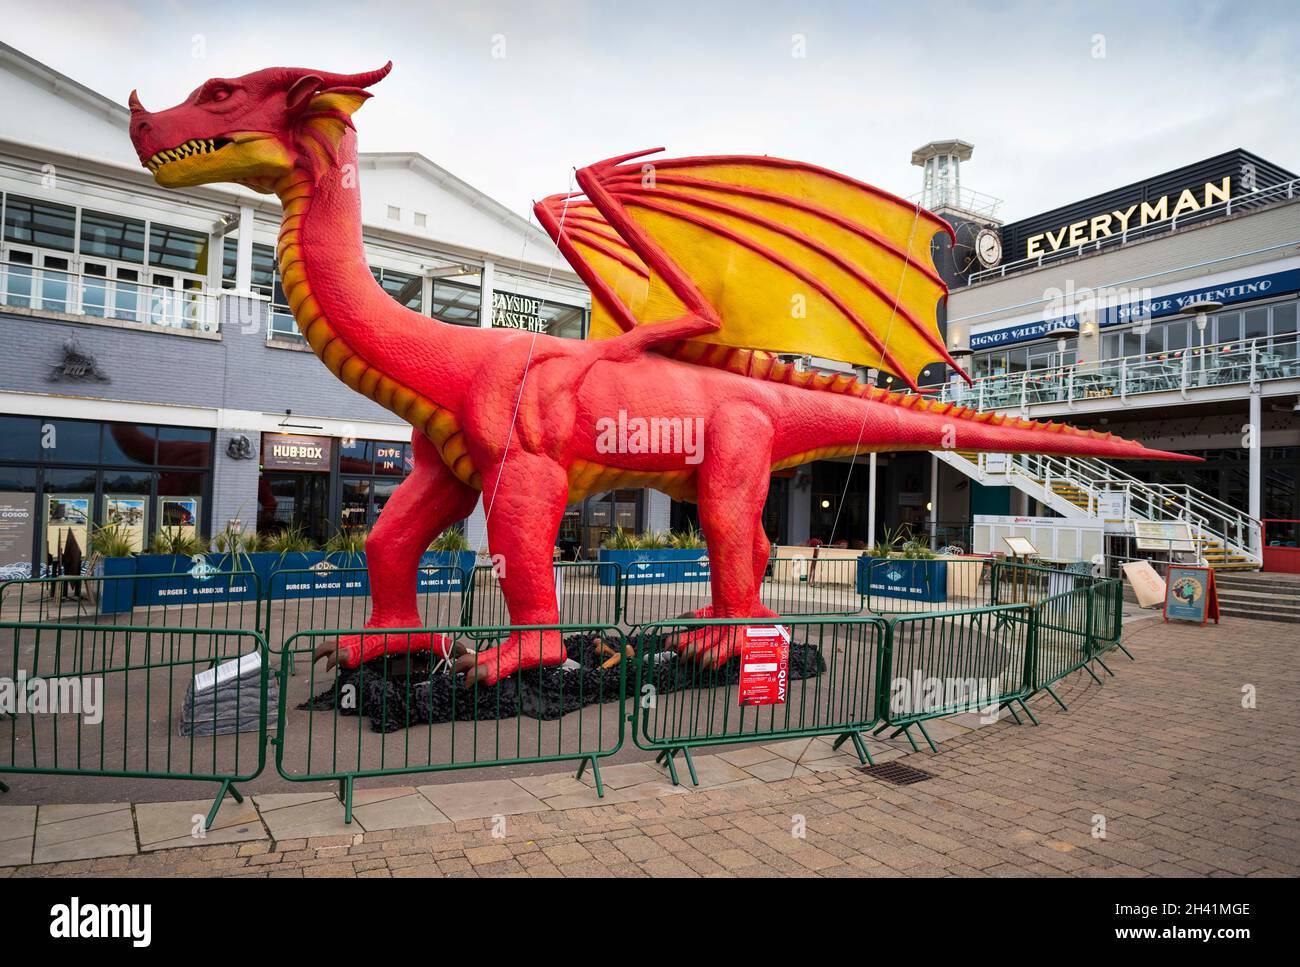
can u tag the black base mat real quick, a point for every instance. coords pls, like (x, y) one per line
(422, 696)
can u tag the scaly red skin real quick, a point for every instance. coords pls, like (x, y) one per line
(527, 440)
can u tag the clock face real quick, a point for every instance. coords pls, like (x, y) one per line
(988, 248)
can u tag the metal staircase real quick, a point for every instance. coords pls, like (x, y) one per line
(1089, 489)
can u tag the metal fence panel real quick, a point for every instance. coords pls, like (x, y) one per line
(948, 662)
(107, 701)
(587, 592)
(919, 586)
(832, 686)
(395, 716)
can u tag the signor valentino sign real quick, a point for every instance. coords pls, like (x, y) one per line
(290, 451)
(512, 311)
(1128, 218)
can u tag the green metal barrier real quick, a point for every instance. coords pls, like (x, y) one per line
(1062, 639)
(113, 699)
(1108, 618)
(306, 599)
(801, 586)
(944, 663)
(588, 593)
(390, 722)
(681, 705)
(169, 600)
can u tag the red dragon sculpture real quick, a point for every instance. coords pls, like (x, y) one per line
(701, 269)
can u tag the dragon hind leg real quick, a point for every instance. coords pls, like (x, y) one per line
(425, 504)
(733, 482)
(522, 522)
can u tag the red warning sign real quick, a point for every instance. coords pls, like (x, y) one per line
(764, 665)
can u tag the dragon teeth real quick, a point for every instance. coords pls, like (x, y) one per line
(189, 149)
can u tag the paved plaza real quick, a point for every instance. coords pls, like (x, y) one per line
(1162, 771)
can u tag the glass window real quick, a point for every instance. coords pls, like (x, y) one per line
(40, 223)
(383, 489)
(178, 248)
(356, 504)
(69, 441)
(1132, 343)
(1284, 319)
(128, 443)
(456, 303)
(391, 459)
(229, 261)
(69, 481)
(1176, 336)
(355, 456)
(20, 480)
(184, 446)
(1227, 327)
(1018, 360)
(112, 236)
(180, 484)
(20, 438)
(401, 286)
(127, 481)
(563, 321)
(1256, 323)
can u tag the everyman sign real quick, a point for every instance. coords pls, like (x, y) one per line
(1129, 217)
(290, 451)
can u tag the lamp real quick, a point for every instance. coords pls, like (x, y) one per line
(1062, 333)
(1202, 308)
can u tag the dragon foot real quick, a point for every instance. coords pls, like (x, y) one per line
(353, 651)
(519, 652)
(715, 645)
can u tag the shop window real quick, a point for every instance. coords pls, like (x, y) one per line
(69, 441)
(20, 480)
(112, 236)
(383, 490)
(127, 481)
(355, 456)
(128, 443)
(404, 288)
(392, 459)
(70, 481)
(563, 321)
(178, 248)
(1176, 336)
(40, 223)
(183, 446)
(20, 438)
(355, 511)
(456, 303)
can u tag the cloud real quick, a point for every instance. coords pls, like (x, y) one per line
(579, 81)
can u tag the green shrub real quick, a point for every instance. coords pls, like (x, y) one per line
(351, 541)
(450, 541)
(291, 540)
(620, 540)
(111, 540)
(174, 540)
(688, 539)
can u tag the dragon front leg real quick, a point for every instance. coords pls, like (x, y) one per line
(425, 504)
(524, 502)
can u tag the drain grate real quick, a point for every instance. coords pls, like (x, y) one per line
(897, 773)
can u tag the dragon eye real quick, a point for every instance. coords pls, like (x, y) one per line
(220, 94)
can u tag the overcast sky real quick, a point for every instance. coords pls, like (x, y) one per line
(1060, 100)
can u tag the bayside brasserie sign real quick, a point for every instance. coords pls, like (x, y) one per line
(1122, 220)
(292, 451)
(514, 311)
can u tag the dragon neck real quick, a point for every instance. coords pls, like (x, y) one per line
(379, 348)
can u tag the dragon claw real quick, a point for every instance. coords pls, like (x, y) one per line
(519, 652)
(353, 651)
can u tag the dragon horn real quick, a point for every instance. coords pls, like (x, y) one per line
(362, 80)
(133, 102)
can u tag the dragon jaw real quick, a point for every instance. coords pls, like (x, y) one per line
(250, 130)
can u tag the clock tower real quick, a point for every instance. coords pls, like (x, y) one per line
(973, 215)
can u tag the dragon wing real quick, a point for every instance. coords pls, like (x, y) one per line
(776, 255)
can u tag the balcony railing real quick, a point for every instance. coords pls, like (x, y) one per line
(25, 286)
(1246, 361)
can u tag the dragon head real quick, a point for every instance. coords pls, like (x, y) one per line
(250, 130)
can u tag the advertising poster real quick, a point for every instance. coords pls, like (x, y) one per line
(1191, 595)
(126, 514)
(67, 517)
(17, 528)
(179, 513)
(764, 665)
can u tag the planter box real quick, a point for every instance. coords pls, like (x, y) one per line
(168, 579)
(892, 577)
(117, 590)
(666, 566)
(442, 579)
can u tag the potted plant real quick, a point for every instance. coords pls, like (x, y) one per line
(902, 566)
(655, 557)
(116, 553)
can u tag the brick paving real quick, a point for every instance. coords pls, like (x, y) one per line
(1186, 780)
